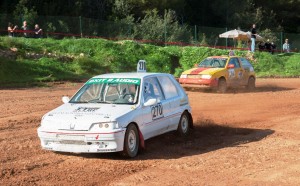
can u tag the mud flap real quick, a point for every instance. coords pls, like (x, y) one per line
(142, 141)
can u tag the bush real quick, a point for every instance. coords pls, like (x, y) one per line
(156, 28)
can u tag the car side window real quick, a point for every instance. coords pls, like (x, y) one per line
(235, 62)
(151, 89)
(168, 87)
(246, 64)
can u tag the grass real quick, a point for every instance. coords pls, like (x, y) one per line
(31, 61)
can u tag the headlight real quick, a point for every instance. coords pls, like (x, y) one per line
(43, 120)
(107, 125)
(206, 76)
(183, 76)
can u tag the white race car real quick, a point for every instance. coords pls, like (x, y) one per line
(117, 112)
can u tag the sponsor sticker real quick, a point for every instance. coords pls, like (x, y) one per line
(135, 81)
(86, 109)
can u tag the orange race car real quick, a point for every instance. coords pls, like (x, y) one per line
(221, 72)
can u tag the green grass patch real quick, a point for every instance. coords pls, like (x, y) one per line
(27, 60)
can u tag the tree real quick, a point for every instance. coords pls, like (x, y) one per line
(286, 12)
(276, 15)
(161, 28)
(121, 9)
(24, 13)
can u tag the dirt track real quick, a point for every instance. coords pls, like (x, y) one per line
(240, 138)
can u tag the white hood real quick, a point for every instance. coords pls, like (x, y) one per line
(81, 116)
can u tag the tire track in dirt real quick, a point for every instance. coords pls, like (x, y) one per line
(245, 138)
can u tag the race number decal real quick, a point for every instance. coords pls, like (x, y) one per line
(231, 73)
(157, 111)
(141, 66)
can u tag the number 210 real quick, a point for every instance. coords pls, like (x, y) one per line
(157, 111)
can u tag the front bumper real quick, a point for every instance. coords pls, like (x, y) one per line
(82, 142)
(199, 81)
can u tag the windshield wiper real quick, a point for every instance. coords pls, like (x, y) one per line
(107, 102)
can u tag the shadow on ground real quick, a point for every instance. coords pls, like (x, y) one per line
(205, 137)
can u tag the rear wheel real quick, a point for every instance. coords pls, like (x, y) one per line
(222, 85)
(251, 84)
(184, 125)
(131, 142)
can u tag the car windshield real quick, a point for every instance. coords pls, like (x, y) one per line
(109, 91)
(213, 63)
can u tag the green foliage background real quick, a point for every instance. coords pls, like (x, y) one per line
(40, 60)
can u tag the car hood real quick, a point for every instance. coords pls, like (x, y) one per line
(82, 116)
(209, 71)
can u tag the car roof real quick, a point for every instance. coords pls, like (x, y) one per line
(129, 75)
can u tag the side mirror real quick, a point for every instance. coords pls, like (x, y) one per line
(150, 102)
(65, 99)
(230, 66)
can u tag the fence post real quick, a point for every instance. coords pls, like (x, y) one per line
(281, 38)
(80, 26)
(226, 38)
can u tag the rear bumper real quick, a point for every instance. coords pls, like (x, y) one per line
(83, 142)
(198, 81)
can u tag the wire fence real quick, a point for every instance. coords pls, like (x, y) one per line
(77, 27)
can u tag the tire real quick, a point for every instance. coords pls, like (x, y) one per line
(251, 84)
(131, 142)
(184, 125)
(222, 85)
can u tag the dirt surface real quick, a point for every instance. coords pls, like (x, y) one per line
(240, 138)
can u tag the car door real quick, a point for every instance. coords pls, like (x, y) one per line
(248, 69)
(155, 116)
(236, 73)
(173, 98)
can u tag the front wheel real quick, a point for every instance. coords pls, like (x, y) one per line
(131, 142)
(184, 125)
(222, 85)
